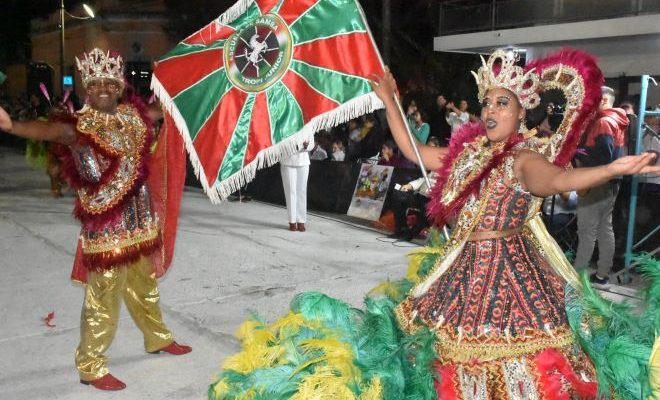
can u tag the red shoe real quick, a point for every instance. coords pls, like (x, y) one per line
(301, 227)
(292, 227)
(106, 382)
(174, 348)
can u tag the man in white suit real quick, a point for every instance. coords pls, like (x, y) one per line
(294, 170)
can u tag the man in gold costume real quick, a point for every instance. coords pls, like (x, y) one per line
(127, 202)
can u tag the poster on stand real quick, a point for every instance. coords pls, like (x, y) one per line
(370, 191)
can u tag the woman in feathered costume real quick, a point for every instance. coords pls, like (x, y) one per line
(496, 312)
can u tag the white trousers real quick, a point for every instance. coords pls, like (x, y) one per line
(294, 180)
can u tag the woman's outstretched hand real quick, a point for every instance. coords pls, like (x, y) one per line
(631, 165)
(5, 121)
(384, 86)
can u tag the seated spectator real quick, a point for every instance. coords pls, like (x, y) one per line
(317, 152)
(338, 150)
(389, 155)
(413, 195)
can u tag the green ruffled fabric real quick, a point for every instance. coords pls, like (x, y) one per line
(340, 351)
(325, 348)
(618, 337)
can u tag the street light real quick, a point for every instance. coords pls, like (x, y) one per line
(90, 14)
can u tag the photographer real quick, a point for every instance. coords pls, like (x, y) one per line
(414, 195)
(458, 116)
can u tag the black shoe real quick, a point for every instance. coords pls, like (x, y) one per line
(395, 235)
(240, 198)
(598, 282)
(409, 236)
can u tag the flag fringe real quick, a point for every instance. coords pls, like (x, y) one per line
(173, 111)
(353, 108)
(239, 8)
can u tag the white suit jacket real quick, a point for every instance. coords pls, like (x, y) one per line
(300, 159)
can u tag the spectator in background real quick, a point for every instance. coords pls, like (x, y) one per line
(651, 142)
(546, 128)
(318, 153)
(458, 117)
(390, 156)
(387, 154)
(338, 150)
(419, 128)
(440, 128)
(354, 140)
(627, 107)
(372, 136)
(412, 109)
(603, 143)
(630, 132)
(413, 195)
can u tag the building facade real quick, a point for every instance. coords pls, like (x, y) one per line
(623, 34)
(135, 29)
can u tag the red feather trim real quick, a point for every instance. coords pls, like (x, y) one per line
(69, 169)
(445, 385)
(468, 133)
(136, 101)
(71, 175)
(552, 366)
(593, 79)
(125, 255)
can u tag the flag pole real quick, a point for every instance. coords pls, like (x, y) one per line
(398, 105)
(413, 142)
(403, 116)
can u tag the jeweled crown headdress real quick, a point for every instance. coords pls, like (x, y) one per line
(501, 72)
(100, 65)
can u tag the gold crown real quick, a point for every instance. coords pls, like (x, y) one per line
(501, 72)
(99, 65)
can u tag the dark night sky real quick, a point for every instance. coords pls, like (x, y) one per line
(414, 24)
(413, 21)
(15, 26)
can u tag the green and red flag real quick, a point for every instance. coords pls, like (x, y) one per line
(256, 83)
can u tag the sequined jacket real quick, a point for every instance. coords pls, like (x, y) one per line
(107, 166)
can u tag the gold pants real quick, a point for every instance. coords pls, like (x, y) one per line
(137, 286)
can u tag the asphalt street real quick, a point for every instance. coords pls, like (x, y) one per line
(230, 259)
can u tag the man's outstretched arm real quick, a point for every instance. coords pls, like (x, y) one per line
(37, 130)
